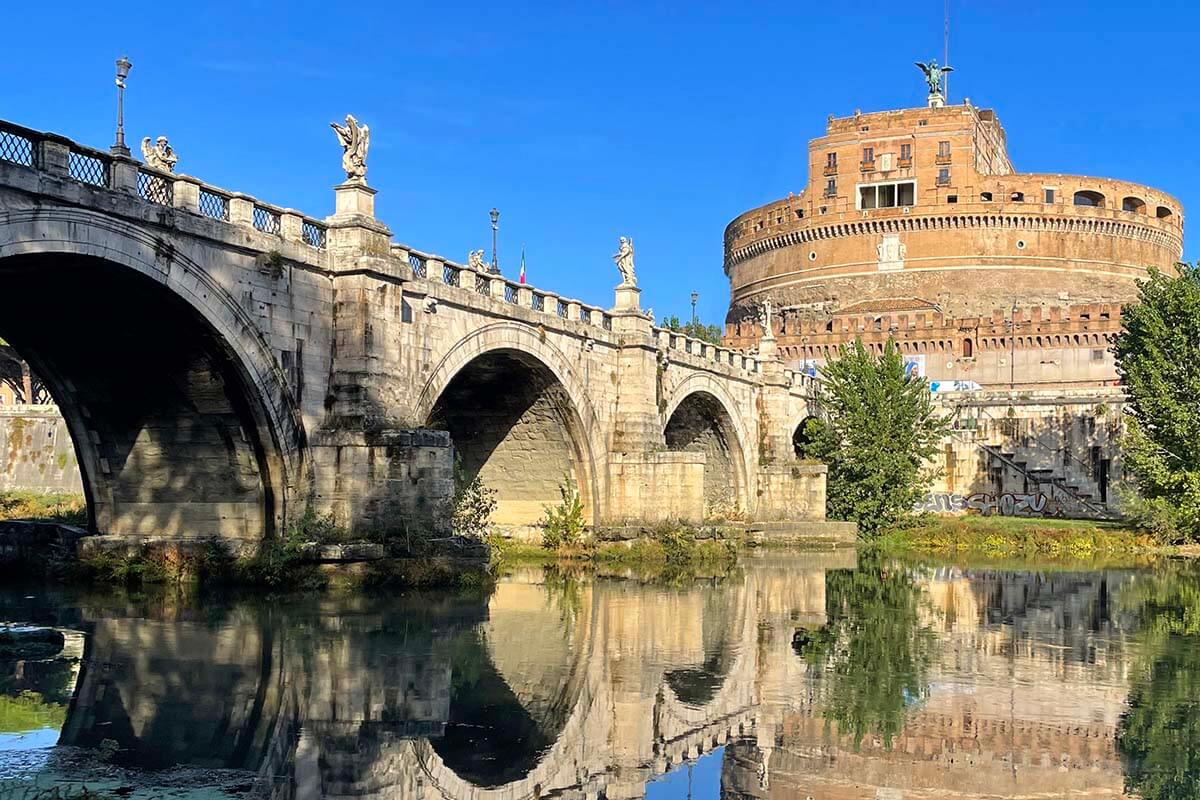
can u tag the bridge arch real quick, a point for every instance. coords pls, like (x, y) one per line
(515, 403)
(700, 414)
(193, 429)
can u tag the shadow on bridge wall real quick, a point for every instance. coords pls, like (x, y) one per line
(167, 435)
(513, 425)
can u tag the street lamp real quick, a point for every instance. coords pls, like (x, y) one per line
(495, 227)
(695, 297)
(119, 148)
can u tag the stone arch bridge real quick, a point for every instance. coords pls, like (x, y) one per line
(223, 364)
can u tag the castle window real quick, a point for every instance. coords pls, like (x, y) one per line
(985, 197)
(922, 123)
(1097, 355)
(943, 176)
(831, 160)
(831, 187)
(1049, 196)
(943, 152)
(1087, 198)
(868, 158)
(1163, 212)
(1017, 197)
(951, 198)
(967, 349)
(1134, 204)
(906, 152)
(886, 195)
(799, 213)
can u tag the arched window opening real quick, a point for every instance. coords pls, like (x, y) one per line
(1086, 197)
(1163, 212)
(968, 350)
(1017, 197)
(1134, 204)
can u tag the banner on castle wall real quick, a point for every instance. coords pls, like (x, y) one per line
(914, 365)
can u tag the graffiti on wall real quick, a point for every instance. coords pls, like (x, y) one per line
(1008, 504)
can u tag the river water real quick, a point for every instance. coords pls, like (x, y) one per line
(823, 676)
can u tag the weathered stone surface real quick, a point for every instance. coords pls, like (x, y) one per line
(261, 363)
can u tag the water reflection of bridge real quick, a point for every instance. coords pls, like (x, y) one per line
(592, 688)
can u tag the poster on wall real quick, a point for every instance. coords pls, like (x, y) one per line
(914, 365)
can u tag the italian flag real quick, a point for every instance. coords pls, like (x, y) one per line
(521, 278)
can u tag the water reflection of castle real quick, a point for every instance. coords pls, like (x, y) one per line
(590, 689)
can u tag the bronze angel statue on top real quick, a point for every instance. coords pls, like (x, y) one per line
(354, 139)
(933, 75)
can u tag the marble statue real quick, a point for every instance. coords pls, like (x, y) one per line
(764, 318)
(475, 261)
(160, 155)
(624, 260)
(355, 139)
(933, 75)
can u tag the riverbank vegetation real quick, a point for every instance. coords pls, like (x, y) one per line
(62, 507)
(1023, 537)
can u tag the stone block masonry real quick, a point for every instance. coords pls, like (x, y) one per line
(259, 363)
(36, 453)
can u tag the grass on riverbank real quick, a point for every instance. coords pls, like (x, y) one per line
(1016, 536)
(666, 548)
(64, 507)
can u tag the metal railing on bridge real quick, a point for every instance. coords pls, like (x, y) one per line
(53, 154)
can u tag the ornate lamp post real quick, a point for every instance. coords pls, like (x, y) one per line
(695, 297)
(495, 214)
(119, 148)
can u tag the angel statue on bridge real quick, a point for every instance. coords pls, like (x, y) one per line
(159, 155)
(354, 139)
(624, 260)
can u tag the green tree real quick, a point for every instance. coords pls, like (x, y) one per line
(696, 330)
(879, 434)
(1158, 358)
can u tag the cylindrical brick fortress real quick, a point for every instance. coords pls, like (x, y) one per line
(919, 211)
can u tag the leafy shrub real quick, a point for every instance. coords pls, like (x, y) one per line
(563, 525)
(473, 506)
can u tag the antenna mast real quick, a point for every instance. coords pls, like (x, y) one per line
(946, 48)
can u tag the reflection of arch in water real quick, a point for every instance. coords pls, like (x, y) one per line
(535, 692)
(677, 720)
(697, 685)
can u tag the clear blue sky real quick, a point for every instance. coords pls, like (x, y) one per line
(584, 122)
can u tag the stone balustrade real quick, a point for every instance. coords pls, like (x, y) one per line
(675, 342)
(437, 269)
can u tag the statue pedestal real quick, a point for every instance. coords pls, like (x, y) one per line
(354, 200)
(937, 100)
(628, 298)
(353, 231)
(768, 348)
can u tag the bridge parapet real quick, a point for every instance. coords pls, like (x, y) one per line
(703, 355)
(473, 282)
(59, 156)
